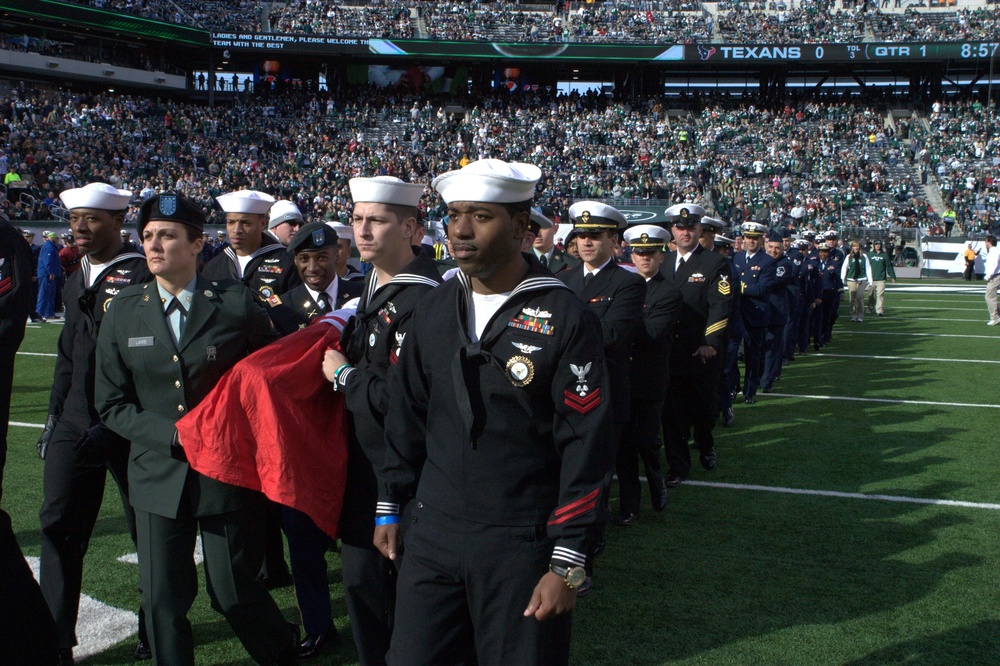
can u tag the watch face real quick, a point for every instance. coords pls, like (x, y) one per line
(575, 576)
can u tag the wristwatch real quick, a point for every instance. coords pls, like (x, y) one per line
(574, 576)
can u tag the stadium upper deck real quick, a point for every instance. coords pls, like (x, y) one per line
(611, 21)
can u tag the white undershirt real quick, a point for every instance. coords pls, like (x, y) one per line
(331, 294)
(95, 270)
(481, 310)
(243, 261)
(681, 258)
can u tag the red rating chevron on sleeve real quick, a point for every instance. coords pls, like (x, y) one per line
(583, 404)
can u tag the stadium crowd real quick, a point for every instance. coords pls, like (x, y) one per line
(830, 163)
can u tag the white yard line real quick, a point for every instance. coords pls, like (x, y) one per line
(35, 354)
(841, 495)
(908, 358)
(920, 335)
(890, 401)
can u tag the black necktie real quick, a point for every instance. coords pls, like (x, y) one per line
(324, 305)
(587, 279)
(544, 259)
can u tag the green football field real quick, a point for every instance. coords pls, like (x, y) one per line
(853, 518)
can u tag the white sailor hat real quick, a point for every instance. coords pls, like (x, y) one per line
(596, 216)
(283, 211)
(539, 218)
(685, 214)
(386, 190)
(646, 237)
(723, 240)
(713, 222)
(753, 229)
(96, 195)
(490, 181)
(344, 231)
(246, 201)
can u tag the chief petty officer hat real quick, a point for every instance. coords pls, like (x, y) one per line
(489, 181)
(283, 211)
(809, 235)
(685, 214)
(386, 190)
(96, 195)
(753, 229)
(171, 207)
(646, 237)
(722, 240)
(712, 222)
(246, 201)
(831, 235)
(596, 216)
(313, 237)
(803, 244)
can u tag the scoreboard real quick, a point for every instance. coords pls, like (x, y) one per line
(333, 45)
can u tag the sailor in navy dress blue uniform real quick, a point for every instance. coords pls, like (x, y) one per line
(779, 311)
(501, 438)
(755, 270)
(649, 372)
(691, 407)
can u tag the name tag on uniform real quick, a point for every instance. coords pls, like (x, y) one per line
(141, 342)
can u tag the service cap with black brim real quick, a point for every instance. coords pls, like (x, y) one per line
(646, 237)
(685, 215)
(713, 223)
(171, 207)
(313, 237)
(596, 216)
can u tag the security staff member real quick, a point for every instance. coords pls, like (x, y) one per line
(256, 258)
(779, 310)
(755, 270)
(545, 249)
(284, 220)
(502, 436)
(27, 632)
(252, 256)
(77, 448)
(162, 347)
(649, 371)
(322, 291)
(385, 220)
(705, 284)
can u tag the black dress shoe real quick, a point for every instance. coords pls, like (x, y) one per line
(626, 519)
(657, 491)
(142, 652)
(766, 389)
(313, 644)
(708, 460)
(728, 417)
(280, 579)
(673, 481)
(749, 400)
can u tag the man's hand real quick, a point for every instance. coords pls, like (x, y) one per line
(552, 596)
(704, 352)
(51, 277)
(332, 360)
(99, 442)
(894, 280)
(387, 538)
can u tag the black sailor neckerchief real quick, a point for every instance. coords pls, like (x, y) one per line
(263, 249)
(88, 296)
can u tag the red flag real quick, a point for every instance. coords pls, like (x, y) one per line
(273, 423)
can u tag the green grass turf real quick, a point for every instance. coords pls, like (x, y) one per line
(729, 576)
